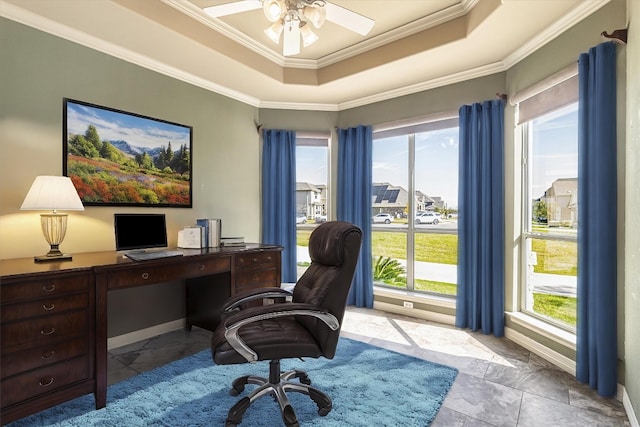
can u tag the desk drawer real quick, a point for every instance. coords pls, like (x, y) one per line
(257, 279)
(209, 266)
(22, 361)
(47, 286)
(44, 380)
(44, 330)
(44, 306)
(255, 260)
(152, 273)
(147, 274)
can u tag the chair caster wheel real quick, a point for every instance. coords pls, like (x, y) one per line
(230, 424)
(234, 392)
(324, 411)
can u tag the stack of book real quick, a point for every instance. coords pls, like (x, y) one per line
(211, 229)
(232, 241)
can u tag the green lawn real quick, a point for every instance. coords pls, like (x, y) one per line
(553, 257)
(556, 307)
(439, 248)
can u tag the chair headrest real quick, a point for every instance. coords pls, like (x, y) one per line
(326, 243)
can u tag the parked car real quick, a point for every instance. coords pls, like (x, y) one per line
(427, 218)
(382, 218)
(321, 218)
(301, 219)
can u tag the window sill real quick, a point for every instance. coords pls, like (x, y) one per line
(421, 306)
(562, 337)
(432, 300)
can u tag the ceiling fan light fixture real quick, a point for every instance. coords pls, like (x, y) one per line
(273, 9)
(308, 36)
(274, 32)
(315, 15)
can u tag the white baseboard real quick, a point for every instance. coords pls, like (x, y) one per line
(561, 361)
(143, 334)
(628, 407)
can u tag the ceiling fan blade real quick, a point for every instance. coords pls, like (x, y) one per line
(348, 19)
(291, 43)
(232, 8)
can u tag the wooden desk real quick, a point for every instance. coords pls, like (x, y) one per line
(54, 315)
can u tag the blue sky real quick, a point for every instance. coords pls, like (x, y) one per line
(114, 126)
(436, 157)
(312, 164)
(555, 148)
(436, 154)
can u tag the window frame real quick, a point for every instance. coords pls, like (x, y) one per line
(409, 129)
(315, 139)
(524, 132)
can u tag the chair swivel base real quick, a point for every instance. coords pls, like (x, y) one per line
(276, 385)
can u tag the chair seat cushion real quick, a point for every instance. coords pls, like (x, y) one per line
(271, 339)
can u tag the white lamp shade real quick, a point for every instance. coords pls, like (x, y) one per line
(308, 36)
(273, 9)
(52, 193)
(315, 15)
(274, 31)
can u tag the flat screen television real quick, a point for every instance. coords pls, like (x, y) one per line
(140, 231)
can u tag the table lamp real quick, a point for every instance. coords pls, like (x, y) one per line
(53, 193)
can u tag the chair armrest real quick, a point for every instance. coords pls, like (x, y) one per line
(240, 298)
(256, 314)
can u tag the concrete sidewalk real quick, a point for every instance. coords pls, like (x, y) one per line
(552, 284)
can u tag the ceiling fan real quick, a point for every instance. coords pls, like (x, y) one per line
(295, 17)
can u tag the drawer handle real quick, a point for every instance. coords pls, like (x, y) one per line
(145, 276)
(202, 267)
(48, 355)
(48, 307)
(49, 332)
(255, 260)
(46, 382)
(49, 287)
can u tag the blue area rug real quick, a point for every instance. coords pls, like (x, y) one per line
(369, 386)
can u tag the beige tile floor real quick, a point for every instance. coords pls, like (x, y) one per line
(499, 383)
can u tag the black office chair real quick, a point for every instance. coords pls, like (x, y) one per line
(307, 326)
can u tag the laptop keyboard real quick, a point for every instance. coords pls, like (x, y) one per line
(144, 256)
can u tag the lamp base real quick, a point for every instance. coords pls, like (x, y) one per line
(49, 258)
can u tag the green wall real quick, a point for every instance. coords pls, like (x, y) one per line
(37, 71)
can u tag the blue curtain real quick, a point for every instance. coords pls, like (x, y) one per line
(480, 298)
(597, 356)
(354, 203)
(279, 196)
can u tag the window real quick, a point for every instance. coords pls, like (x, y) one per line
(549, 258)
(312, 191)
(414, 207)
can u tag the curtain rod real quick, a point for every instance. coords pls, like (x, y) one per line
(307, 134)
(619, 36)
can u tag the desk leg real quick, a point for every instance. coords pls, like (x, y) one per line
(101, 341)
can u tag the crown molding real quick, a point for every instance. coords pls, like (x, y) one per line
(38, 22)
(417, 26)
(583, 10)
(421, 24)
(22, 16)
(462, 76)
(228, 31)
(277, 105)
